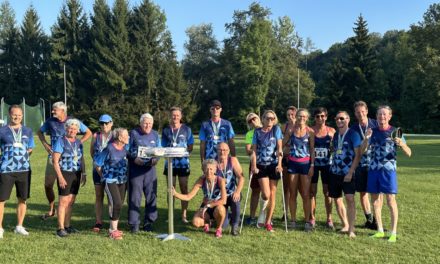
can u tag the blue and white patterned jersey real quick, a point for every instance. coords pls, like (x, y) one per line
(266, 143)
(383, 150)
(229, 176)
(299, 148)
(213, 194)
(14, 156)
(55, 128)
(366, 157)
(343, 159)
(71, 154)
(207, 134)
(114, 164)
(100, 143)
(138, 138)
(322, 150)
(182, 138)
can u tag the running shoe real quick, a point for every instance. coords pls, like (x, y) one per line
(71, 230)
(62, 233)
(269, 228)
(313, 222)
(115, 234)
(308, 227)
(292, 224)
(251, 221)
(148, 227)
(134, 229)
(20, 230)
(218, 233)
(97, 227)
(184, 220)
(2, 231)
(234, 231)
(378, 235)
(206, 228)
(330, 225)
(392, 238)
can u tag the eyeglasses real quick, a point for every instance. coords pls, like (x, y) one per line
(340, 118)
(251, 120)
(319, 116)
(270, 118)
(215, 107)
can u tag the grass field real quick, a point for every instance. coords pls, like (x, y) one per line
(418, 230)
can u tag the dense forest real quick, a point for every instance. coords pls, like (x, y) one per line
(121, 60)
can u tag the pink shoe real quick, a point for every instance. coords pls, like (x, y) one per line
(218, 233)
(269, 228)
(115, 234)
(206, 228)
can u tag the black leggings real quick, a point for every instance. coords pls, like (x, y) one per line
(116, 195)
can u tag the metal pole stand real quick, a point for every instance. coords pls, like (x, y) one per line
(171, 235)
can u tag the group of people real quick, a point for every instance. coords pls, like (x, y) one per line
(360, 158)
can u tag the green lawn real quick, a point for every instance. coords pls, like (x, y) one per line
(418, 231)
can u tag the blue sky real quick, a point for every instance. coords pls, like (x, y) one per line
(325, 22)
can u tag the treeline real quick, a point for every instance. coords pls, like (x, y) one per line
(121, 60)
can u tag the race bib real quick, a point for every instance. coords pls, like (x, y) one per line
(321, 153)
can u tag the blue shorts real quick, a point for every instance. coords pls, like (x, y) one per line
(97, 180)
(298, 168)
(382, 181)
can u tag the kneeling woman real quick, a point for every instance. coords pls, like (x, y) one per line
(68, 162)
(214, 198)
(111, 165)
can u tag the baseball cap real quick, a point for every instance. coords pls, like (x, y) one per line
(216, 103)
(105, 118)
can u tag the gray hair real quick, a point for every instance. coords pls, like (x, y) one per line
(117, 132)
(60, 105)
(385, 107)
(72, 122)
(207, 162)
(146, 116)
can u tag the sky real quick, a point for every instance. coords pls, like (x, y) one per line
(325, 22)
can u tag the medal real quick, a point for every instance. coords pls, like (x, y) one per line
(174, 144)
(17, 138)
(74, 150)
(339, 151)
(216, 129)
(216, 137)
(341, 142)
(75, 158)
(18, 145)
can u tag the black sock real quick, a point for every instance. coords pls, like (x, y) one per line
(369, 217)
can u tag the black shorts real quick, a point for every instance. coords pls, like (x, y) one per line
(181, 172)
(73, 179)
(336, 186)
(325, 174)
(22, 182)
(97, 180)
(361, 178)
(267, 171)
(209, 211)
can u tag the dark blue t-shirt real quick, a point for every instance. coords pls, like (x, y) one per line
(266, 143)
(208, 134)
(361, 130)
(343, 157)
(113, 163)
(71, 154)
(139, 138)
(181, 137)
(383, 150)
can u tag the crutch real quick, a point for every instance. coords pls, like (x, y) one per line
(284, 201)
(245, 202)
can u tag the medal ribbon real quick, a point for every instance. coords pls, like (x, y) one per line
(210, 193)
(216, 128)
(341, 140)
(172, 134)
(73, 147)
(16, 135)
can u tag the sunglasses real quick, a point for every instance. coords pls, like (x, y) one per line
(340, 118)
(319, 116)
(215, 107)
(270, 118)
(251, 120)
(104, 123)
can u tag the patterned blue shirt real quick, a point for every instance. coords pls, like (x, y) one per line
(68, 160)
(15, 157)
(138, 138)
(207, 134)
(383, 150)
(213, 194)
(113, 163)
(342, 160)
(229, 176)
(299, 147)
(182, 137)
(55, 128)
(98, 145)
(266, 143)
(366, 157)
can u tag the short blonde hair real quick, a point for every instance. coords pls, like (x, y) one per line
(251, 116)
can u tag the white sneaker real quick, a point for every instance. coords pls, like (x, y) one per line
(1, 232)
(21, 231)
(262, 217)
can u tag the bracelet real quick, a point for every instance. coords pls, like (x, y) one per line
(312, 165)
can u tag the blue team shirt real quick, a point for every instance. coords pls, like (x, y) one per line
(322, 150)
(215, 195)
(55, 128)
(113, 163)
(67, 149)
(225, 133)
(138, 138)
(366, 157)
(342, 162)
(183, 138)
(266, 143)
(383, 150)
(15, 158)
(98, 146)
(299, 146)
(229, 176)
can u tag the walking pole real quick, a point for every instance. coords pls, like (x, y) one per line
(245, 202)
(284, 202)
